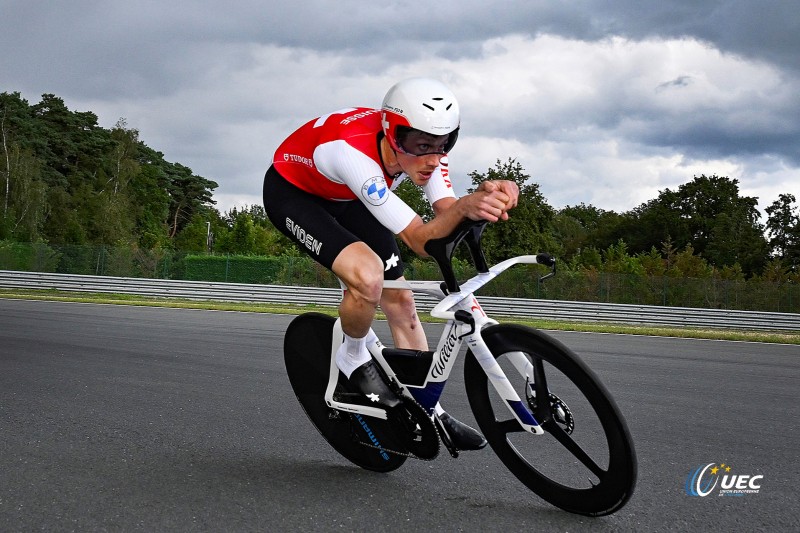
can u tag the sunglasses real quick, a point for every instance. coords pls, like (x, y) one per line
(417, 143)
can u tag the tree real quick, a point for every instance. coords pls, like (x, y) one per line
(783, 227)
(27, 199)
(577, 227)
(71, 144)
(570, 235)
(707, 214)
(415, 198)
(23, 204)
(528, 229)
(64, 179)
(194, 235)
(188, 194)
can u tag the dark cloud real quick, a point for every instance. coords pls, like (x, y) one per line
(136, 47)
(680, 81)
(203, 79)
(767, 30)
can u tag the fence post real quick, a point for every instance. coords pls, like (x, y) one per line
(99, 266)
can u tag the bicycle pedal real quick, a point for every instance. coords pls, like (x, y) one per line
(445, 437)
(415, 430)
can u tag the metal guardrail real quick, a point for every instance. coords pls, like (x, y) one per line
(510, 307)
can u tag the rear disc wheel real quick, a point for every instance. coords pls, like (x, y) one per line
(362, 440)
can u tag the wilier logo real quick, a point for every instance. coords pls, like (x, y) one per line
(705, 479)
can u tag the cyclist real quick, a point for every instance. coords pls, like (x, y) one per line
(329, 189)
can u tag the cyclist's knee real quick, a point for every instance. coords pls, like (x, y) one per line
(361, 270)
(400, 307)
(367, 284)
(398, 302)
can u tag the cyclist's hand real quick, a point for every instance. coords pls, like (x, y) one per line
(512, 191)
(499, 197)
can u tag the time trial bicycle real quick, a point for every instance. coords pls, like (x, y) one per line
(545, 414)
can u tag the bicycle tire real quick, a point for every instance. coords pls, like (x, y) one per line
(557, 471)
(307, 348)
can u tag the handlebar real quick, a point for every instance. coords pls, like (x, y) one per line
(443, 248)
(470, 232)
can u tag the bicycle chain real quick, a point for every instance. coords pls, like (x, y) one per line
(405, 454)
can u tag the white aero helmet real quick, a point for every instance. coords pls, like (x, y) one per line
(420, 116)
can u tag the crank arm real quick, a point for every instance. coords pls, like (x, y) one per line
(365, 410)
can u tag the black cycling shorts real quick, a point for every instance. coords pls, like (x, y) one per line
(323, 228)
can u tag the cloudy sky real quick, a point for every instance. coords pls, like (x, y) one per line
(604, 103)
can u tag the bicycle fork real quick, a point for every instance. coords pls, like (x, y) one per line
(495, 373)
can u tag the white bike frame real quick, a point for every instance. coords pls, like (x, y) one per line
(455, 333)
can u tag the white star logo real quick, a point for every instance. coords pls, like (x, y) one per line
(391, 262)
(373, 397)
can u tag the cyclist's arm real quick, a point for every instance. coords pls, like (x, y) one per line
(440, 206)
(488, 202)
(342, 163)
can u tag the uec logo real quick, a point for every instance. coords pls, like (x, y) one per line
(704, 479)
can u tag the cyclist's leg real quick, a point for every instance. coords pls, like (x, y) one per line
(361, 272)
(401, 311)
(401, 314)
(313, 223)
(397, 304)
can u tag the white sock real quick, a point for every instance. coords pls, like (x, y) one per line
(352, 354)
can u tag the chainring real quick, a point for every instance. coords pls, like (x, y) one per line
(414, 427)
(411, 427)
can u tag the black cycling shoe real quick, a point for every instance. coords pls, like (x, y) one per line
(463, 437)
(368, 381)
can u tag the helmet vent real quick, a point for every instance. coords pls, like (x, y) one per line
(437, 99)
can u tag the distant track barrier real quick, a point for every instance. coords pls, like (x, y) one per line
(509, 307)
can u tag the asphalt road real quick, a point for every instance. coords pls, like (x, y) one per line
(117, 418)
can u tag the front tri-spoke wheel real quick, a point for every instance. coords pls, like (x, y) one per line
(585, 462)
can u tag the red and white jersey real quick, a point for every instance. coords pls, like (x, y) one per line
(337, 157)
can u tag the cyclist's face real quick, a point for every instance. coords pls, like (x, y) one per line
(419, 167)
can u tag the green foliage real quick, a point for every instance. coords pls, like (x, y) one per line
(529, 226)
(28, 257)
(783, 227)
(97, 200)
(237, 269)
(416, 200)
(257, 269)
(707, 214)
(65, 180)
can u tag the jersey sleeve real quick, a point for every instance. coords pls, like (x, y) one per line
(342, 163)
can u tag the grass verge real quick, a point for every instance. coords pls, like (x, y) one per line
(127, 299)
